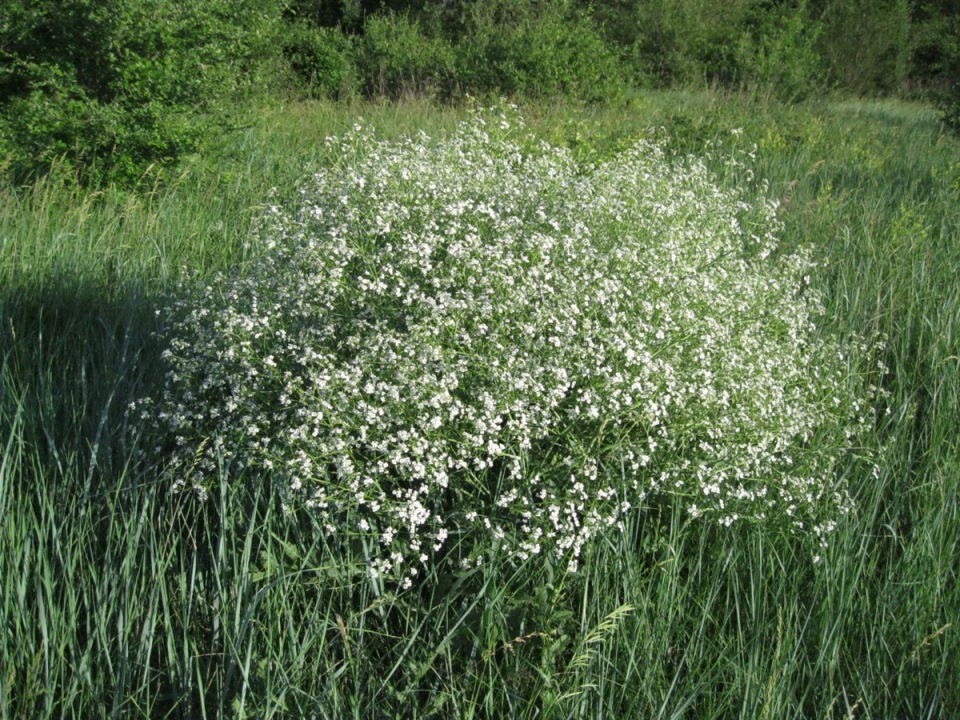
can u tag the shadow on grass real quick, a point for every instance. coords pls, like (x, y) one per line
(73, 356)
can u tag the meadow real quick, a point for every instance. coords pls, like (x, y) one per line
(124, 597)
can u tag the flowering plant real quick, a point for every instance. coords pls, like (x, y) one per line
(477, 337)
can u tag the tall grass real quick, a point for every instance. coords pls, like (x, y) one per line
(121, 600)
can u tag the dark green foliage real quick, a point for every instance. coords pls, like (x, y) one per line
(943, 53)
(320, 57)
(755, 44)
(691, 40)
(520, 47)
(950, 101)
(111, 87)
(787, 48)
(397, 56)
(347, 15)
(778, 52)
(866, 45)
(936, 27)
(511, 47)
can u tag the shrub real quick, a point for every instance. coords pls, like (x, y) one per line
(347, 15)
(948, 98)
(735, 43)
(477, 346)
(320, 57)
(950, 107)
(778, 54)
(689, 41)
(114, 86)
(866, 45)
(515, 47)
(395, 56)
(59, 122)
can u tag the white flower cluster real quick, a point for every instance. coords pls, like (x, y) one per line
(476, 339)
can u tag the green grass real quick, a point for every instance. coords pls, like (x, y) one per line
(120, 600)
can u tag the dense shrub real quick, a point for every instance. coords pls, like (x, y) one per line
(396, 56)
(744, 43)
(689, 41)
(114, 86)
(476, 346)
(320, 57)
(951, 110)
(777, 54)
(517, 47)
(866, 45)
(791, 47)
(950, 107)
(347, 15)
(511, 47)
(947, 93)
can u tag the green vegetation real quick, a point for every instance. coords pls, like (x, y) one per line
(123, 599)
(115, 89)
(760, 199)
(112, 87)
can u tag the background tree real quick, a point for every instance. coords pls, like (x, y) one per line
(110, 87)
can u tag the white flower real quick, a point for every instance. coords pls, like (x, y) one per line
(532, 347)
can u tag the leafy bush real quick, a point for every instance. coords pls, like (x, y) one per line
(477, 346)
(347, 15)
(507, 47)
(778, 54)
(866, 45)
(114, 86)
(517, 47)
(948, 98)
(395, 56)
(320, 57)
(950, 108)
(735, 44)
(687, 41)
